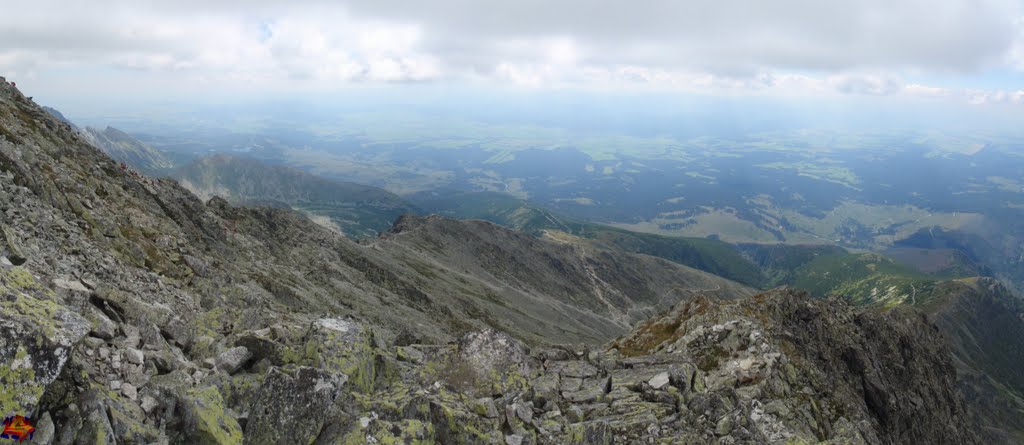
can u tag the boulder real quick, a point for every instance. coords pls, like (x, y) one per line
(232, 360)
(102, 326)
(659, 381)
(498, 363)
(134, 356)
(261, 346)
(128, 390)
(36, 338)
(342, 347)
(292, 405)
(10, 247)
(191, 414)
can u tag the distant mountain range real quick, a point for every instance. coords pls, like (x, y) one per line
(357, 210)
(138, 311)
(121, 146)
(124, 148)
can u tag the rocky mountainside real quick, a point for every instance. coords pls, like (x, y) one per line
(60, 116)
(985, 325)
(714, 256)
(359, 211)
(124, 148)
(134, 312)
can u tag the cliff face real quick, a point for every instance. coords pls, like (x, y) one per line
(984, 323)
(860, 374)
(133, 312)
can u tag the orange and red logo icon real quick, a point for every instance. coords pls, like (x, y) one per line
(17, 428)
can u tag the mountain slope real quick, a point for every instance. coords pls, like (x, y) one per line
(170, 286)
(985, 325)
(357, 210)
(614, 289)
(124, 148)
(709, 255)
(56, 113)
(133, 312)
(997, 257)
(799, 370)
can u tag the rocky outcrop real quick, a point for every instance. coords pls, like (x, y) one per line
(36, 338)
(293, 405)
(776, 368)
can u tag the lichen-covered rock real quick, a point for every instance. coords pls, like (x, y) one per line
(495, 363)
(102, 326)
(292, 405)
(344, 347)
(783, 367)
(10, 247)
(96, 429)
(231, 361)
(36, 338)
(192, 414)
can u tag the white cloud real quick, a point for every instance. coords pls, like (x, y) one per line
(867, 84)
(982, 97)
(926, 91)
(795, 47)
(1015, 57)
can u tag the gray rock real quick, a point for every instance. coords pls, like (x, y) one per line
(575, 414)
(724, 426)
(569, 384)
(191, 414)
(232, 360)
(486, 407)
(135, 356)
(102, 326)
(498, 360)
(304, 393)
(163, 361)
(513, 439)
(576, 368)
(659, 381)
(36, 338)
(11, 247)
(590, 394)
(45, 431)
(96, 429)
(490, 349)
(151, 338)
(132, 336)
(148, 404)
(410, 354)
(93, 342)
(129, 391)
(523, 411)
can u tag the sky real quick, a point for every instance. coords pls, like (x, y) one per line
(965, 53)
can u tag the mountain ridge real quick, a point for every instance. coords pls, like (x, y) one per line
(358, 210)
(149, 315)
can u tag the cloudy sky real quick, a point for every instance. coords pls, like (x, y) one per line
(969, 52)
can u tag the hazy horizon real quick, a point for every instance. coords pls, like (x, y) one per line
(947, 62)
